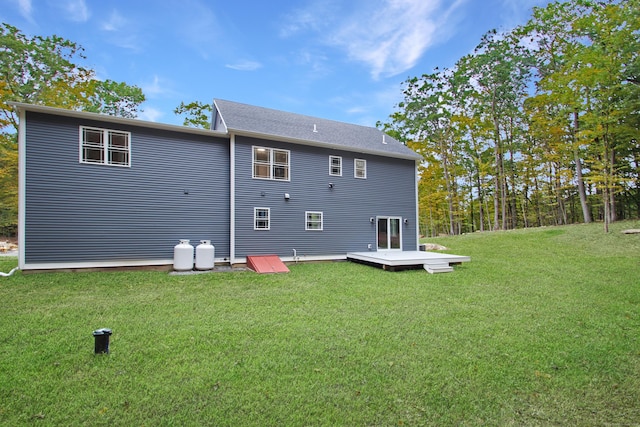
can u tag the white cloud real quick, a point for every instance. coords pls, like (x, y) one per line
(150, 114)
(314, 18)
(389, 36)
(26, 8)
(245, 65)
(115, 22)
(197, 25)
(120, 32)
(76, 10)
(157, 87)
(366, 108)
(314, 60)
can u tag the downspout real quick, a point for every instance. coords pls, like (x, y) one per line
(232, 199)
(22, 188)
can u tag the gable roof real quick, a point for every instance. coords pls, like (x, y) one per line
(260, 122)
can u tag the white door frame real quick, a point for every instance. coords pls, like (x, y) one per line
(385, 223)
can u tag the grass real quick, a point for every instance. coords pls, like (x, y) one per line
(541, 328)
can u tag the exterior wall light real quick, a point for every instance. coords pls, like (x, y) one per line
(406, 221)
(331, 185)
(287, 196)
(371, 220)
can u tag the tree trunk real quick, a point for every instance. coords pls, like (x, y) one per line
(605, 187)
(586, 213)
(562, 211)
(612, 194)
(489, 226)
(445, 169)
(498, 182)
(538, 201)
(496, 189)
(503, 195)
(481, 201)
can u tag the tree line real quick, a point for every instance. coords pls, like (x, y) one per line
(538, 126)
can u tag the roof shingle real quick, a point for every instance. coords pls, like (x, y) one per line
(244, 119)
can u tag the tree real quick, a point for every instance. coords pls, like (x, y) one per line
(498, 73)
(427, 126)
(198, 114)
(41, 70)
(533, 121)
(114, 98)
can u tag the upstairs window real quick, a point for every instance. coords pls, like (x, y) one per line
(269, 163)
(261, 220)
(313, 221)
(335, 166)
(360, 168)
(105, 147)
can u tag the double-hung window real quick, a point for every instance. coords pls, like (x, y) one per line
(270, 163)
(105, 146)
(313, 221)
(261, 219)
(335, 165)
(360, 168)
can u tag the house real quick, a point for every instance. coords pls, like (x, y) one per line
(103, 191)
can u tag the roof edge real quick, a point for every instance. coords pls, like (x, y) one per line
(218, 114)
(114, 119)
(307, 142)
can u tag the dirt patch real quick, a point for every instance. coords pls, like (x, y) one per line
(432, 247)
(7, 246)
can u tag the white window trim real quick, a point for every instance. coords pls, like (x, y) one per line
(271, 163)
(105, 137)
(331, 165)
(306, 221)
(255, 219)
(355, 168)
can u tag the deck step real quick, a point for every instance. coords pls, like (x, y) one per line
(442, 267)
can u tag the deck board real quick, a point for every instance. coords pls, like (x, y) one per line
(406, 259)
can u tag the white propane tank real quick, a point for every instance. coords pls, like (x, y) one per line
(183, 256)
(204, 255)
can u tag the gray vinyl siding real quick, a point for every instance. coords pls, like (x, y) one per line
(389, 190)
(86, 212)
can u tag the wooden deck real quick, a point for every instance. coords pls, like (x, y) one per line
(433, 262)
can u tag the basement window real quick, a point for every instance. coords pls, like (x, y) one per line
(261, 218)
(105, 146)
(313, 221)
(270, 163)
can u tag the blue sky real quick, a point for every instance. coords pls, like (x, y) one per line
(336, 59)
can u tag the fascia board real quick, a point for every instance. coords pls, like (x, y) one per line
(83, 115)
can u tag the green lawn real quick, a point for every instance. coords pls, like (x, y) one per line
(542, 327)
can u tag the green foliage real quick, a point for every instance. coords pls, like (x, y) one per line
(540, 328)
(198, 114)
(8, 184)
(113, 98)
(541, 121)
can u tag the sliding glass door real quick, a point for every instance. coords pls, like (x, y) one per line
(389, 233)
